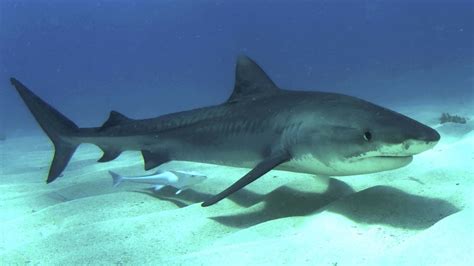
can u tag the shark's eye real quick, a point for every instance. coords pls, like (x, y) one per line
(367, 135)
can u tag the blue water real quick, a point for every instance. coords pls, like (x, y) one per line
(146, 58)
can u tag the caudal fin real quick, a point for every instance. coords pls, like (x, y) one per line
(54, 124)
(116, 178)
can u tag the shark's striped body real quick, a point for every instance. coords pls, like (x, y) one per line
(260, 127)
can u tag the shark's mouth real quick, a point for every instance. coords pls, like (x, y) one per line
(377, 163)
(388, 159)
(383, 159)
(391, 156)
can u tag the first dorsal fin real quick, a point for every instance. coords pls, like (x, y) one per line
(115, 118)
(251, 81)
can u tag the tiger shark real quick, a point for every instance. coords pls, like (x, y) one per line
(260, 126)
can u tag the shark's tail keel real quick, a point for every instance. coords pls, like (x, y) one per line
(55, 125)
(116, 178)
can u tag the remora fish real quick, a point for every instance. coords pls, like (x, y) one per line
(159, 179)
(260, 126)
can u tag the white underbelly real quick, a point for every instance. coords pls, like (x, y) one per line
(311, 165)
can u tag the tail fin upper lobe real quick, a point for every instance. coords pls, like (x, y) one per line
(55, 125)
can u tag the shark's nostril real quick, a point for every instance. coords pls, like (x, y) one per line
(406, 145)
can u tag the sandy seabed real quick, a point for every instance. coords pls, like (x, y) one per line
(422, 214)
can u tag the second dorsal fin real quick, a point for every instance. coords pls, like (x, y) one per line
(115, 118)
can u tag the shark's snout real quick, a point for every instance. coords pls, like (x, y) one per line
(411, 140)
(427, 136)
(430, 135)
(426, 139)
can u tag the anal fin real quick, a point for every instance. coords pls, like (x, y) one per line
(158, 187)
(262, 168)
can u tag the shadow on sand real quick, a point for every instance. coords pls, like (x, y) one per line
(375, 205)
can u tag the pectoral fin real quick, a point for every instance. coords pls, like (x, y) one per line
(154, 159)
(262, 168)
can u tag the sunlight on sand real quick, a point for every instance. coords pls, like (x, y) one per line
(421, 214)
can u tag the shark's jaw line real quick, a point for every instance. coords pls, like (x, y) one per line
(343, 167)
(260, 126)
